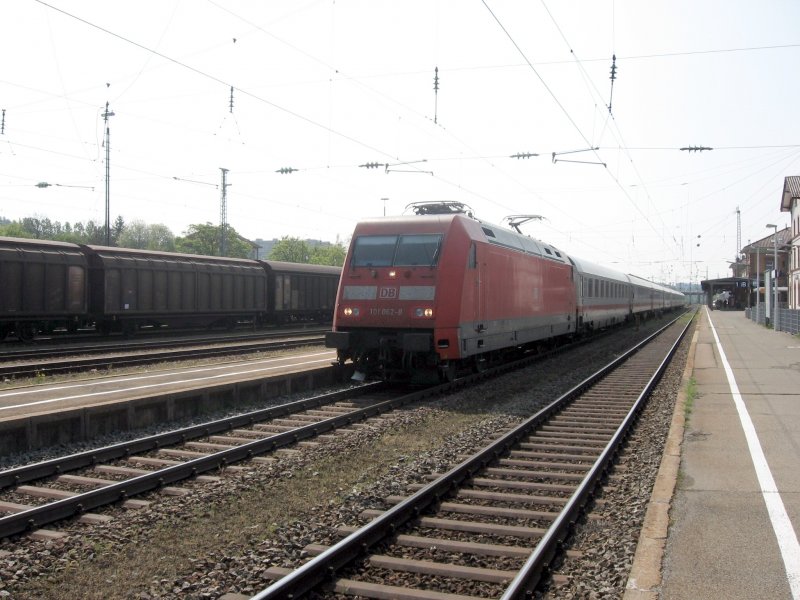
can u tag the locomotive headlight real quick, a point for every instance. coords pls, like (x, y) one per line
(392, 274)
(428, 312)
(350, 312)
(424, 312)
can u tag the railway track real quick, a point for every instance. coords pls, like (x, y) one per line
(47, 492)
(490, 526)
(50, 361)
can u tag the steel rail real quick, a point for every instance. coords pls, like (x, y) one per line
(59, 466)
(62, 509)
(325, 565)
(116, 491)
(147, 341)
(152, 356)
(529, 576)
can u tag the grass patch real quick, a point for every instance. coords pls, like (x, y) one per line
(691, 396)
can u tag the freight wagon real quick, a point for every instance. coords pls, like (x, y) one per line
(49, 285)
(42, 284)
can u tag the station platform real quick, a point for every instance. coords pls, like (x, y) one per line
(725, 511)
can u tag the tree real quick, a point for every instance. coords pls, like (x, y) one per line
(33, 225)
(94, 234)
(134, 235)
(329, 254)
(291, 249)
(161, 238)
(15, 229)
(204, 239)
(79, 230)
(138, 234)
(116, 230)
(67, 233)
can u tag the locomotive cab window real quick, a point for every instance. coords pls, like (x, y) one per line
(374, 250)
(417, 250)
(397, 251)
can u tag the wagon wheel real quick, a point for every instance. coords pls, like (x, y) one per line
(25, 332)
(129, 328)
(480, 363)
(449, 372)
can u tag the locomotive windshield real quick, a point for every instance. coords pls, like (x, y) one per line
(418, 250)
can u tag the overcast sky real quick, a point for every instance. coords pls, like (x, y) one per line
(325, 86)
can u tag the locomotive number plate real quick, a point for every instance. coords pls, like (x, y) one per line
(386, 312)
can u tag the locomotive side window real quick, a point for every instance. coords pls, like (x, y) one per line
(472, 260)
(417, 250)
(374, 250)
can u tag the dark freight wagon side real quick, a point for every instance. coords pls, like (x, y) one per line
(43, 285)
(132, 288)
(301, 292)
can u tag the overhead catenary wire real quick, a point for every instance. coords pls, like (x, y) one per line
(569, 117)
(216, 79)
(524, 180)
(338, 75)
(227, 84)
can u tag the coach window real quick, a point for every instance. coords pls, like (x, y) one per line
(417, 250)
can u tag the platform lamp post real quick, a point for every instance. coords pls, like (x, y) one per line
(775, 281)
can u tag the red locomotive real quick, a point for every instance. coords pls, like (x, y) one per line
(441, 290)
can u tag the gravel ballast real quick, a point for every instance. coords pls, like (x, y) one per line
(222, 536)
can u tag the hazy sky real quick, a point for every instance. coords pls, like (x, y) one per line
(325, 86)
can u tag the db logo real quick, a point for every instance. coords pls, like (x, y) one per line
(388, 293)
